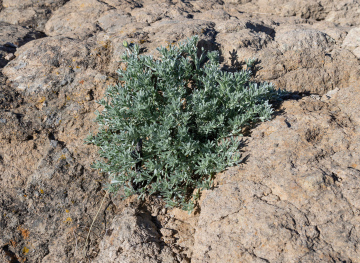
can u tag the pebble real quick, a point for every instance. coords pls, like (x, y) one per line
(166, 232)
(63, 82)
(53, 143)
(10, 56)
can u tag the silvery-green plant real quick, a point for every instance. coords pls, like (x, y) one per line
(250, 63)
(172, 123)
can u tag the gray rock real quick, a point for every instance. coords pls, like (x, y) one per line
(298, 38)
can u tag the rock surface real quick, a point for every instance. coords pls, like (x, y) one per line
(132, 232)
(352, 41)
(295, 199)
(32, 13)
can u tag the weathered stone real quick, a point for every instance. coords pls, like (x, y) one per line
(29, 3)
(10, 56)
(352, 41)
(43, 64)
(29, 12)
(294, 199)
(298, 38)
(77, 18)
(134, 237)
(12, 37)
(291, 193)
(114, 20)
(342, 12)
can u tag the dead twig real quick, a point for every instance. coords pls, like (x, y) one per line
(87, 238)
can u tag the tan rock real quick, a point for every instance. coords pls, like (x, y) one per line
(76, 17)
(57, 67)
(9, 56)
(17, 16)
(352, 41)
(29, 3)
(28, 12)
(356, 52)
(294, 199)
(134, 238)
(114, 21)
(298, 219)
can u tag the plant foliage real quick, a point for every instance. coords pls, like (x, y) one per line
(172, 123)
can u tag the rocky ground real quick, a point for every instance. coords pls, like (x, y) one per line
(295, 199)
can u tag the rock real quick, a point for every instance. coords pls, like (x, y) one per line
(46, 197)
(16, 126)
(336, 32)
(342, 12)
(133, 237)
(211, 15)
(356, 52)
(27, 3)
(276, 201)
(10, 56)
(153, 13)
(77, 18)
(315, 71)
(294, 199)
(17, 16)
(40, 146)
(162, 33)
(300, 38)
(29, 12)
(352, 41)
(9, 99)
(50, 61)
(296, 59)
(330, 94)
(344, 99)
(114, 20)
(167, 232)
(12, 37)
